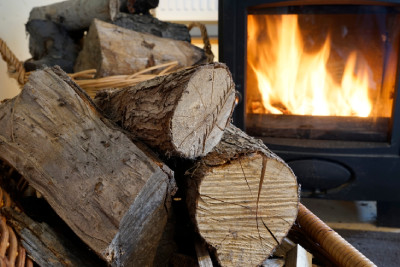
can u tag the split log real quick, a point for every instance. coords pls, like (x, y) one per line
(298, 257)
(77, 14)
(203, 256)
(141, 6)
(46, 246)
(282, 250)
(113, 50)
(242, 198)
(152, 25)
(113, 193)
(182, 114)
(274, 262)
(50, 44)
(167, 245)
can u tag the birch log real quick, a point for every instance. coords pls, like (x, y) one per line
(114, 194)
(182, 114)
(113, 50)
(77, 14)
(243, 199)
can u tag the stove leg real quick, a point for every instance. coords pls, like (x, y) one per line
(388, 213)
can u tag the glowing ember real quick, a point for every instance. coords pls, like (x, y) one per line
(292, 80)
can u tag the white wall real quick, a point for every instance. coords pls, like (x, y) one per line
(13, 16)
(188, 10)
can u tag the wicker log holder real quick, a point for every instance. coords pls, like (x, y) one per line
(12, 253)
(309, 229)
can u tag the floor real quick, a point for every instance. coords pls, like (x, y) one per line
(356, 222)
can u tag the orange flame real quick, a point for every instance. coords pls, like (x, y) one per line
(292, 80)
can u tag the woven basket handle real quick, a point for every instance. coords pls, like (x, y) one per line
(206, 40)
(15, 67)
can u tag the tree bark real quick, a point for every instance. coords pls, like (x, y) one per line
(113, 50)
(242, 198)
(182, 114)
(150, 24)
(77, 14)
(113, 193)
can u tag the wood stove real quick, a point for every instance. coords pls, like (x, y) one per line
(318, 83)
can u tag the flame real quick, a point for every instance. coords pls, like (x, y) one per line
(292, 80)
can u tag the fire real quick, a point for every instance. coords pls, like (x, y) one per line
(292, 80)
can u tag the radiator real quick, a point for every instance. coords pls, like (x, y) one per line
(187, 10)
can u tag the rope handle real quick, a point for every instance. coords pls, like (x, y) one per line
(206, 40)
(15, 67)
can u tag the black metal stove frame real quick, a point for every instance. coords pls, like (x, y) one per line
(334, 169)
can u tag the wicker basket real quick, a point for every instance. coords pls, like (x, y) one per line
(12, 253)
(325, 241)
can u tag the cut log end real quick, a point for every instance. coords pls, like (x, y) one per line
(243, 199)
(248, 220)
(203, 112)
(182, 114)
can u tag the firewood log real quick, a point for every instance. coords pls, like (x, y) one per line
(242, 198)
(150, 24)
(298, 256)
(113, 50)
(50, 44)
(141, 6)
(182, 114)
(77, 14)
(113, 193)
(46, 246)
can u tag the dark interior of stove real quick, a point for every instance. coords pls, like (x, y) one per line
(335, 155)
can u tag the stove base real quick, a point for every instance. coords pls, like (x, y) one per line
(388, 214)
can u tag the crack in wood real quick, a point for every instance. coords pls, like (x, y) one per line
(227, 202)
(198, 91)
(244, 175)
(264, 167)
(263, 170)
(270, 232)
(12, 120)
(212, 85)
(204, 209)
(208, 130)
(223, 240)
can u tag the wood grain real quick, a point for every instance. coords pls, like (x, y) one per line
(243, 199)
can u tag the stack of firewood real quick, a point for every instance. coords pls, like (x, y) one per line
(146, 175)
